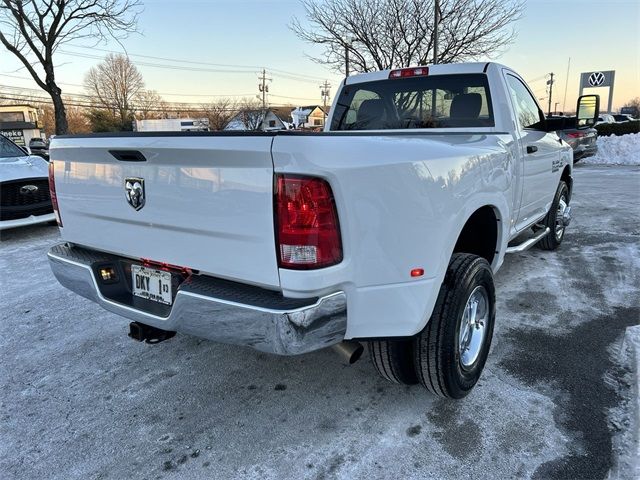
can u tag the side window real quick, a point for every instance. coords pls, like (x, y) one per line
(526, 107)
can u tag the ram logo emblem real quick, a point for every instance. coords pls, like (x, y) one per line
(134, 192)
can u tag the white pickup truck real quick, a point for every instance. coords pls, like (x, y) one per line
(386, 228)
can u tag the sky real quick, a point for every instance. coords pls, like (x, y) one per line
(247, 35)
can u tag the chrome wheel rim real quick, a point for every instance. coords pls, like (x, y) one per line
(562, 206)
(473, 327)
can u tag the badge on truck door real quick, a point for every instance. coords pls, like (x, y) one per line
(134, 192)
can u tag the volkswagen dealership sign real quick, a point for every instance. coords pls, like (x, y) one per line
(601, 78)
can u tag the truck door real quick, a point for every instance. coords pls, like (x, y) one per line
(538, 150)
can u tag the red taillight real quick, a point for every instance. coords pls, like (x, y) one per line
(52, 193)
(409, 72)
(306, 221)
(576, 134)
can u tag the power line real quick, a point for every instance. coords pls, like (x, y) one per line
(193, 62)
(247, 69)
(70, 94)
(175, 107)
(537, 79)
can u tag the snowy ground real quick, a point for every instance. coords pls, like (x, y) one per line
(616, 150)
(81, 400)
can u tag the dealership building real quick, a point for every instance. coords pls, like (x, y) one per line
(19, 123)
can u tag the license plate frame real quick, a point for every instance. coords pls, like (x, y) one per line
(152, 284)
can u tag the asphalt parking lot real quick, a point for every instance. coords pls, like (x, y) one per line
(81, 400)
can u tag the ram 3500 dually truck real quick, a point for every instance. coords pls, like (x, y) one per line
(386, 228)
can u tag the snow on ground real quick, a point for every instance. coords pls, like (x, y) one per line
(82, 400)
(617, 150)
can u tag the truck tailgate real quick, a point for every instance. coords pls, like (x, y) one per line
(208, 201)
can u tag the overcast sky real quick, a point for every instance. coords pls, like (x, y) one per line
(248, 34)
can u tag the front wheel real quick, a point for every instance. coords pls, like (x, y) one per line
(450, 353)
(555, 219)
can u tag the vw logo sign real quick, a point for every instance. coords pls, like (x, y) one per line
(28, 189)
(596, 79)
(134, 192)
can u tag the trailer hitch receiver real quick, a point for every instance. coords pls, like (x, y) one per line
(145, 333)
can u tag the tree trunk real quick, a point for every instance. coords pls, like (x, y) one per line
(60, 113)
(62, 127)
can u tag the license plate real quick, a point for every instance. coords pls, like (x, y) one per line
(151, 284)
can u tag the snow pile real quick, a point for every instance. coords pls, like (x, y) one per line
(617, 150)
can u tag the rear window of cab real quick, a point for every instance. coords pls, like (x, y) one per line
(438, 101)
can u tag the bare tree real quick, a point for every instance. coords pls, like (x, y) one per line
(149, 105)
(34, 29)
(382, 34)
(250, 115)
(220, 113)
(115, 83)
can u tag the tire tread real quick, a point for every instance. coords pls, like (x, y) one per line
(393, 360)
(431, 372)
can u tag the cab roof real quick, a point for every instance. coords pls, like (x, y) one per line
(440, 69)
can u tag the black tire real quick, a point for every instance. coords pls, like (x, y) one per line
(437, 357)
(393, 359)
(554, 238)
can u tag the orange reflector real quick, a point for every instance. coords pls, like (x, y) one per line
(417, 272)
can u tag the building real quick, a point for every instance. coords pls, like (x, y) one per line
(311, 116)
(19, 123)
(275, 118)
(172, 125)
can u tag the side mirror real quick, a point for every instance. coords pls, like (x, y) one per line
(587, 110)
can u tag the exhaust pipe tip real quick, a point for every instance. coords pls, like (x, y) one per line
(349, 350)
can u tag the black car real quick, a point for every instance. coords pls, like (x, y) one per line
(40, 147)
(583, 142)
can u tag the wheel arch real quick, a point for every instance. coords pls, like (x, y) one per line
(481, 234)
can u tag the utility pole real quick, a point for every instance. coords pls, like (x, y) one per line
(325, 93)
(263, 88)
(550, 83)
(436, 22)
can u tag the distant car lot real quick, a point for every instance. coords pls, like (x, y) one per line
(81, 400)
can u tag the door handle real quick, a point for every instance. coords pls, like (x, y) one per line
(532, 149)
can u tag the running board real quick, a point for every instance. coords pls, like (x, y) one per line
(529, 243)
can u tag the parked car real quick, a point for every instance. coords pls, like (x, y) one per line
(605, 118)
(582, 141)
(40, 147)
(623, 117)
(384, 229)
(24, 187)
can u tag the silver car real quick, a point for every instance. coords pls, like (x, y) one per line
(24, 187)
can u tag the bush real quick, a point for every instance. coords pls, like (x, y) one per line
(606, 129)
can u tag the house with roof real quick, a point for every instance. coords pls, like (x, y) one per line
(271, 119)
(19, 123)
(310, 116)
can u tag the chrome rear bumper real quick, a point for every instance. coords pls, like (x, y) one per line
(215, 309)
